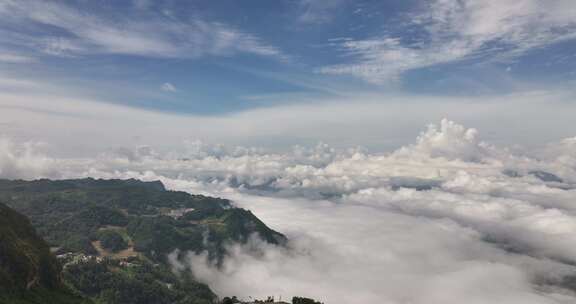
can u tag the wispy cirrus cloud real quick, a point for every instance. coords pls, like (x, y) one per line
(319, 11)
(454, 30)
(57, 29)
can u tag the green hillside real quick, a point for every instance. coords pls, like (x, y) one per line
(29, 273)
(113, 237)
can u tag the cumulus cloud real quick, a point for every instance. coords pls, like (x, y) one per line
(22, 160)
(450, 141)
(457, 30)
(448, 219)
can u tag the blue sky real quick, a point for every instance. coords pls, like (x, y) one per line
(219, 58)
(222, 56)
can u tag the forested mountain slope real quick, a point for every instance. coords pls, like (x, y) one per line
(29, 273)
(113, 237)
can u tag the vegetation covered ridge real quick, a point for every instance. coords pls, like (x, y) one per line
(113, 237)
(29, 273)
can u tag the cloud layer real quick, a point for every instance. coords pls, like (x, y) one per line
(41, 111)
(448, 219)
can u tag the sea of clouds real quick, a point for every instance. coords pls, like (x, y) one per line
(448, 219)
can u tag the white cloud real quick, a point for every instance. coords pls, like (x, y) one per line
(451, 141)
(345, 253)
(23, 161)
(86, 33)
(489, 30)
(168, 87)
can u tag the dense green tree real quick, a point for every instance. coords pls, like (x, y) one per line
(112, 240)
(141, 283)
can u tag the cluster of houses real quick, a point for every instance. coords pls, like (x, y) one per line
(177, 213)
(71, 258)
(270, 299)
